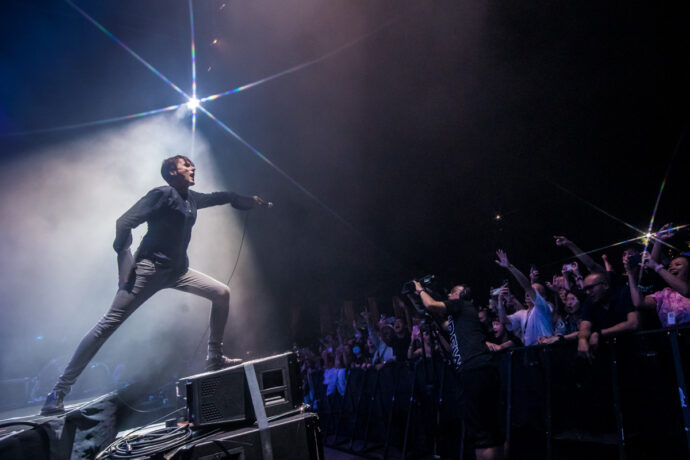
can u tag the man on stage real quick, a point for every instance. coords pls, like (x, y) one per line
(160, 262)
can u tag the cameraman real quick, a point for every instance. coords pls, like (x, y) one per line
(479, 381)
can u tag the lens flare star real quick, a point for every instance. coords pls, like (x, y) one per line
(194, 104)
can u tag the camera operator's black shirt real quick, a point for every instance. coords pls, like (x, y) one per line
(170, 218)
(468, 345)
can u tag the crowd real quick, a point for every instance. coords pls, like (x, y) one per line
(585, 303)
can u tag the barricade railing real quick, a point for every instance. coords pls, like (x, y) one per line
(633, 391)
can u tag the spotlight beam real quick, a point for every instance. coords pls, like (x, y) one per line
(663, 181)
(194, 101)
(191, 154)
(191, 27)
(223, 125)
(93, 123)
(606, 213)
(338, 217)
(303, 65)
(265, 159)
(128, 49)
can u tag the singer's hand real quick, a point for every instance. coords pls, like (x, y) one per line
(260, 201)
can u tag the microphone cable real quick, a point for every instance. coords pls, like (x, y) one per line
(232, 273)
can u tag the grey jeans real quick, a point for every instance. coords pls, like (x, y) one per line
(146, 279)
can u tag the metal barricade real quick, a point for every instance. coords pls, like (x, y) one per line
(634, 393)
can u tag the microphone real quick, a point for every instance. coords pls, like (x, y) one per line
(261, 202)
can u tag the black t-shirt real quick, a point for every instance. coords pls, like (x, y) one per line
(612, 309)
(400, 346)
(648, 284)
(466, 335)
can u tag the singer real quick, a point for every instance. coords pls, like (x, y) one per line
(160, 262)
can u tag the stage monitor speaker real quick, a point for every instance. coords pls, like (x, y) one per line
(297, 437)
(223, 396)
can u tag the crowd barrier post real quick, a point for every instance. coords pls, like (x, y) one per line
(546, 354)
(680, 380)
(462, 440)
(342, 406)
(410, 405)
(509, 396)
(358, 407)
(615, 387)
(439, 403)
(371, 408)
(389, 423)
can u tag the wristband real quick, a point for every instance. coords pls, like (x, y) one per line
(658, 267)
(419, 291)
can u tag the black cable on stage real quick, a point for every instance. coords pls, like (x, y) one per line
(232, 273)
(239, 251)
(152, 443)
(130, 435)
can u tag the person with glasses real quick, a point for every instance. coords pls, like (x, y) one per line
(607, 311)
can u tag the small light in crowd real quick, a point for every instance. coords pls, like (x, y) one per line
(39, 337)
(223, 5)
(647, 238)
(498, 217)
(215, 41)
(193, 104)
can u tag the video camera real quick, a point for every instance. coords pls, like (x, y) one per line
(429, 282)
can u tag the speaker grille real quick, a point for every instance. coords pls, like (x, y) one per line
(210, 412)
(221, 397)
(209, 386)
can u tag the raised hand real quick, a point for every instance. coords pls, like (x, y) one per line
(493, 346)
(561, 240)
(547, 340)
(664, 233)
(559, 282)
(648, 261)
(502, 259)
(533, 274)
(553, 285)
(261, 202)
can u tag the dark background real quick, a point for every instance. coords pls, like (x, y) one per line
(443, 115)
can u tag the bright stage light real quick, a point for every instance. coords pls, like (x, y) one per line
(193, 104)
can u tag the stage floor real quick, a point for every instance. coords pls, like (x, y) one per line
(32, 412)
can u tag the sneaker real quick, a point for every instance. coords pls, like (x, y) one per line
(221, 362)
(54, 404)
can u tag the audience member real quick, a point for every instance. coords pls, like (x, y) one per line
(535, 321)
(478, 378)
(501, 338)
(672, 303)
(607, 311)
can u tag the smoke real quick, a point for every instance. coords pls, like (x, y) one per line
(59, 269)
